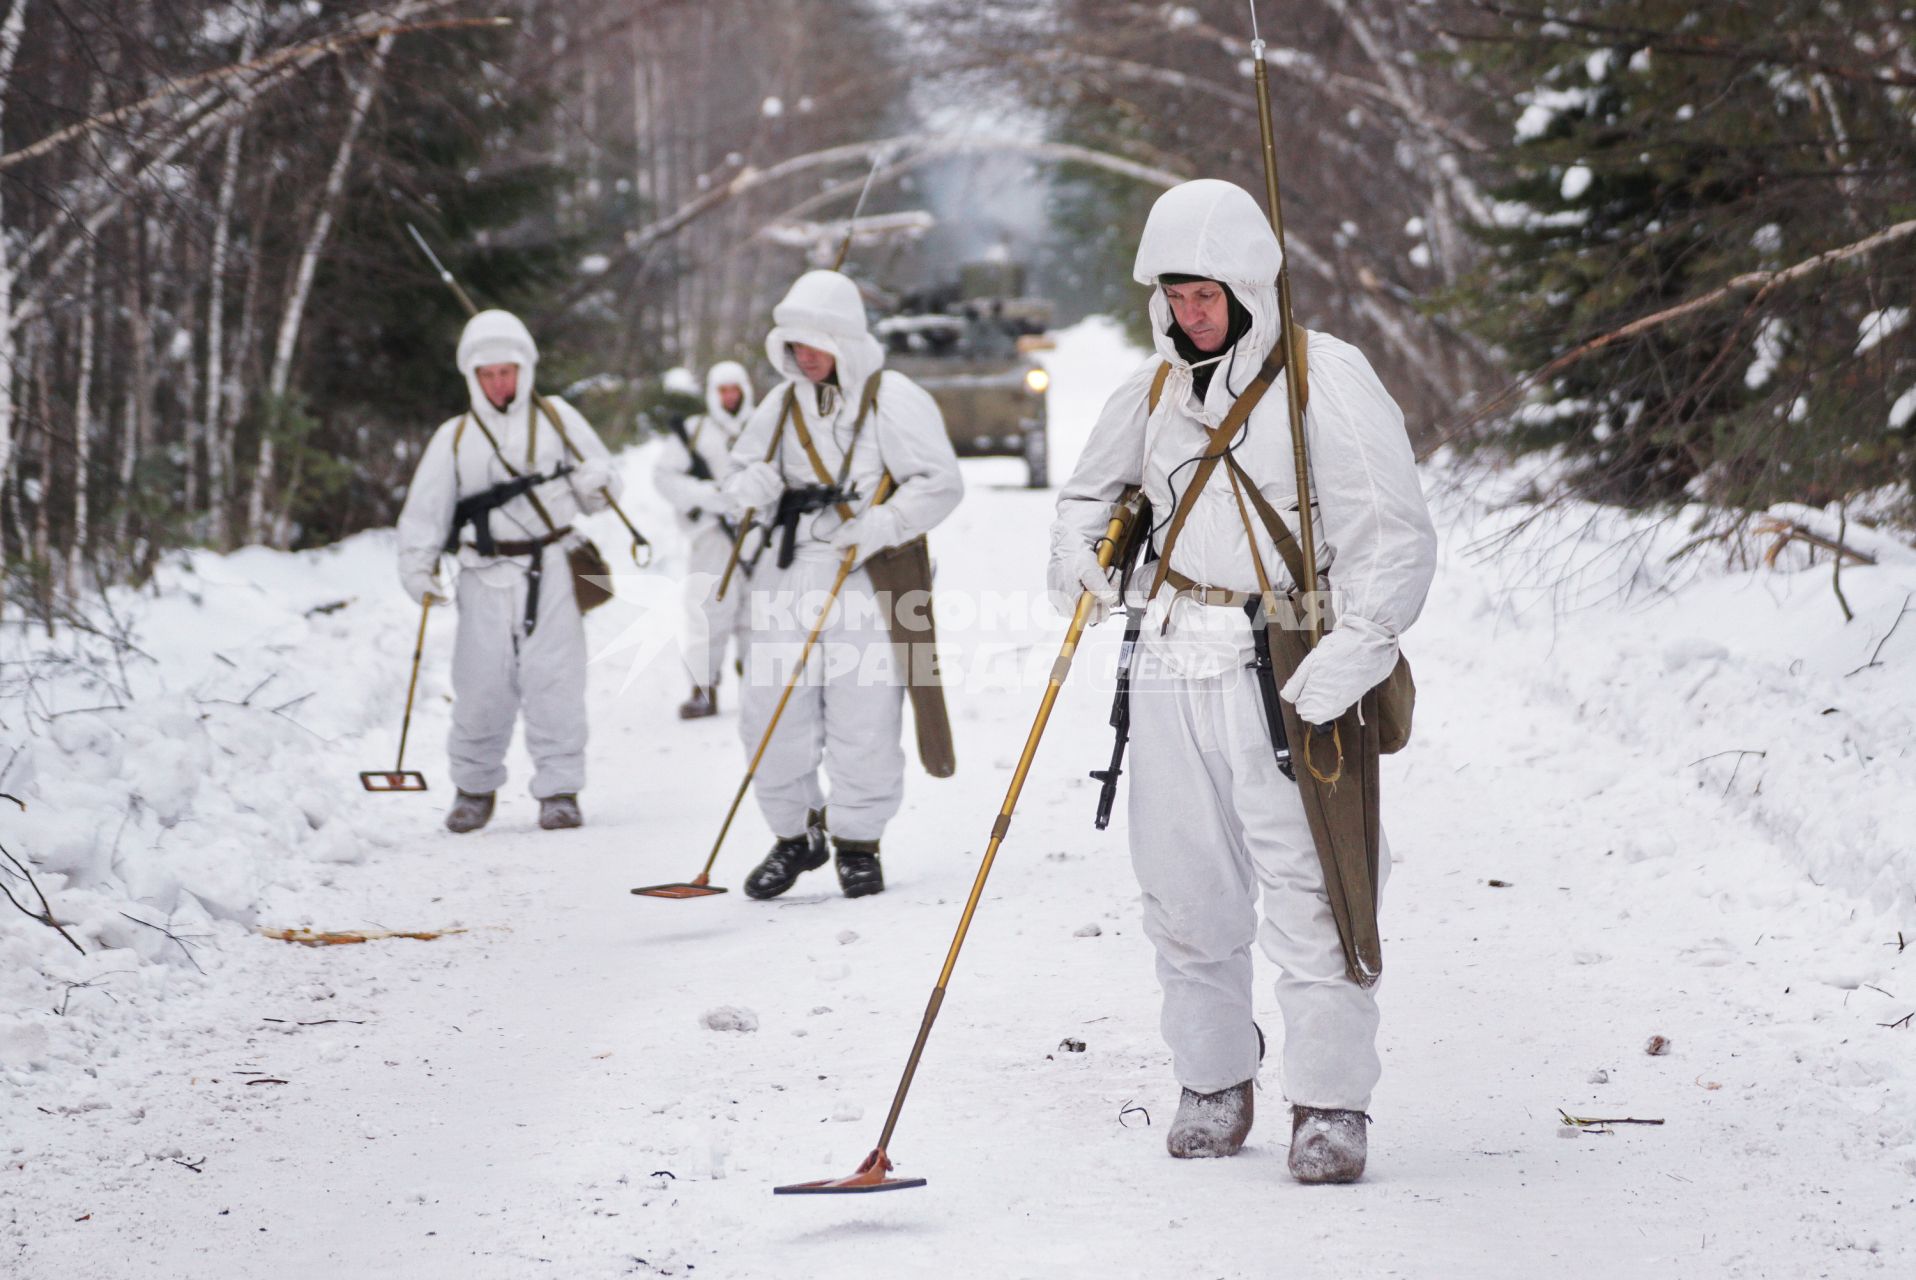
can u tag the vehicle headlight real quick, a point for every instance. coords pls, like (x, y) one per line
(1037, 380)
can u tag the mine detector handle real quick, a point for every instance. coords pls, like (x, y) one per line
(641, 545)
(1287, 329)
(1124, 514)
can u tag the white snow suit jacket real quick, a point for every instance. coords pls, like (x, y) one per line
(904, 434)
(525, 436)
(712, 434)
(1374, 530)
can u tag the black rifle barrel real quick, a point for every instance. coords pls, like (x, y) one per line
(1265, 673)
(700, 471)
(1120, 722)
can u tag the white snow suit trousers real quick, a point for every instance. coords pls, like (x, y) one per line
(846, 713)
(709, 621)
(498, 671)
(1214, 825)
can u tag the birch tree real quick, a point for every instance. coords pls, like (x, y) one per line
(279, 381)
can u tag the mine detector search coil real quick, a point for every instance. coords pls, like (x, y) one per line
(399, 777)
(641, 546)
(871, 1175)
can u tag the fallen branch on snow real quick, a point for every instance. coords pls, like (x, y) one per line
(1788, 531)
(1879, 653)
(349, 937)
(172, 937)
(1586, 1122)
(45, 914)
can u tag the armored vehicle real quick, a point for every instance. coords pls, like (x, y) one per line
(970, 344)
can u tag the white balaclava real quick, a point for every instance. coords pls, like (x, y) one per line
(498, 337)
(728, 373)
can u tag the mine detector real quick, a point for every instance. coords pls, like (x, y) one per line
(971, 343)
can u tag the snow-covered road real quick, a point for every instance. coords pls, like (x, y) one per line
(538, 1096)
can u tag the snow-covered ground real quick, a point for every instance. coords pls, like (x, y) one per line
(1685, 815)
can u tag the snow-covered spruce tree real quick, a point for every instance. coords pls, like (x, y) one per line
(1661, 151)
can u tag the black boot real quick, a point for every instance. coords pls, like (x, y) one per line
(702, 703)
(858, 871)
(791, 857)
(469, 812)
(1328, 1145)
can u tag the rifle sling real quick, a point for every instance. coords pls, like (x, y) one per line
(867, 399)
(552, 525)
(1217, 448)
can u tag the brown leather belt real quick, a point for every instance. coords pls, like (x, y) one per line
(531, 549)
(527, 546)
(1218, 597)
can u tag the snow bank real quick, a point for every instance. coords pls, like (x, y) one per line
(1746, 684)
(196, 757)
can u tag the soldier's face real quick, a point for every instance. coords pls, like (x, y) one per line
(732, 396)
(816, 365)
(1203, 311)
(499, 383)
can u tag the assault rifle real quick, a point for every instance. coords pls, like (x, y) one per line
(1136, 549)
(794, 503)
(1264, 671)
(1120, 721)
(700, 471)
(477, 510)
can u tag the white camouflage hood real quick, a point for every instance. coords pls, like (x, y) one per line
(728, 373)
(1215, 229)
(823, 309)
(498, 337)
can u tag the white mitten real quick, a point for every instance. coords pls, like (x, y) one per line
(592, 475)
(1351, 659)
(755, 487)
(1074, 571)
(420, 583)
(870, 531)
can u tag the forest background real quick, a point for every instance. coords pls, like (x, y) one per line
(1669, 247)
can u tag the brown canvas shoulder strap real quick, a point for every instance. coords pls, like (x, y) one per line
(784, 416)
(1157, 385)
(866, 400)
(552, 416)
(1215, 451)
(1274, 524)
